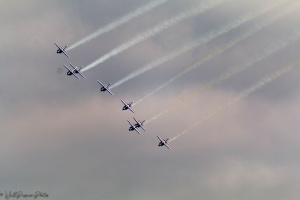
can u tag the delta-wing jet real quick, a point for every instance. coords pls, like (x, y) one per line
(75, 71)
(105, 88)
(163, 142)
(139, 124)
(61, 50)
(127, 106)
(133, 128)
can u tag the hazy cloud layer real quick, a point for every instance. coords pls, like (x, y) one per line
(62, 136)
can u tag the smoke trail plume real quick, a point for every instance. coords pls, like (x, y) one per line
(210, 56)
(119, 22)
(267, 52)
(155, 30)
(200, 41)
(267, 79)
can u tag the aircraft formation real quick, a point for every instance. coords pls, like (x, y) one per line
(75, 71)
(233, 24)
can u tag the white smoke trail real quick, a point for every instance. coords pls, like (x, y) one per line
(260, 56)
(119, 22)
(267, 79)
(200, 41)
(155, 30)
(208, 57)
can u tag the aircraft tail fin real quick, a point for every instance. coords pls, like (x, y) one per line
(65, 47)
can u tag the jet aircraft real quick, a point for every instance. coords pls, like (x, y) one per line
(164, 142)
(61, 50)
(133, 128)
(105, 88)
(139, 124)
(127, 106)
(75, 71)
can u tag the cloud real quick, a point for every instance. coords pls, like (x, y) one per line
(235, 175)
(81, 141)
(64, 137)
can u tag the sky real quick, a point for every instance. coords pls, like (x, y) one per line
(64, 137)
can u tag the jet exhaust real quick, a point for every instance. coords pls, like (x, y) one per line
(267, 79)
(200, 41)
(269, 51)
(214, 53)
(208, 4)
(146, 8)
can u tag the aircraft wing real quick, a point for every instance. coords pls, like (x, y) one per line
(141, 125)
(136, 121)
(163, 141)
(130, 124)
(65, 53)
(72, 66)
(143, 128)
(100, 83)
(160, 139)
(71, 71)
(130, 109)
(125, 104)
(78, 70)
(134, 127)
(76, 76)
(167, 145)
(57, 46)
(62, 50)
(108, 90)
(137, 130)
(81, 74)
(106, 87)
(67, 68)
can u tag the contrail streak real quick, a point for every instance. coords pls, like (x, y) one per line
(155, 30)
(200, 41)
(267, 52)
(119, 22)
(208, 57)
(267, 79)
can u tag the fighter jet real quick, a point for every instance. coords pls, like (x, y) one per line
(61, 50)
(127, 106)
(139, 124)
(105, 88)
(163, 142)
(75, 71)
(133, 128)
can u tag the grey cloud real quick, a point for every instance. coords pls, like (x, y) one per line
(64, 137)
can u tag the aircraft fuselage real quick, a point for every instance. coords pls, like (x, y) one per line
(161, 144)
(103, 89)
(75, 71)
(59, 51)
